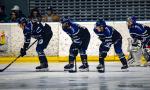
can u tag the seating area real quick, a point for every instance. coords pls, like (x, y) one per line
(91, 10)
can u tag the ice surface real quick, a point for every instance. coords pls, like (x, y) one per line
(23, 77)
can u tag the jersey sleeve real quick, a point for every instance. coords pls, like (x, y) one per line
(144, 33)
(146, 27)
(76, 36)
(108, 35)
(99, 37)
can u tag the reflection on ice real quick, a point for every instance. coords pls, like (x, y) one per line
(23, 77)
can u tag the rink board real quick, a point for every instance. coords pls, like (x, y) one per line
(52, 59)
(6, 60)
(58, 48)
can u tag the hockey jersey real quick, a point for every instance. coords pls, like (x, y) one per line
(35, 30)
(108, 35)
(77, 33)
(140, 32)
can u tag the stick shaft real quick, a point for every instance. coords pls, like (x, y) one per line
(17, 57)
(75, 65)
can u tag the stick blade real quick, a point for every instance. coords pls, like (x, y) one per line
(1, 70)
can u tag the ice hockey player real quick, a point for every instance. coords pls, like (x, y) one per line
(140, 32)
(40, 31)
(80, 37)
(108, 36)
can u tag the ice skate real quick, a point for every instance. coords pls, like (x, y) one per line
(68, 67)
(101, 68)
(84, 68)
(124, 68)
(42, 68)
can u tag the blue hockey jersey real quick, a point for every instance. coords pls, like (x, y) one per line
(77, 33)
(140, 32)
(108, 35)
(35, 30)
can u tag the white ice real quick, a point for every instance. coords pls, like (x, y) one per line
(22, 76)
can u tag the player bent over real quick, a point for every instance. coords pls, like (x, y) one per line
(140, 32)
(108, 35)
(40, 31)
(80, 40)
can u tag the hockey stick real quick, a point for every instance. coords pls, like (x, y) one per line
(75, 65)
(1, 70)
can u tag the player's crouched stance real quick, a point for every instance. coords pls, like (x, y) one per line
(140, 32)
(80, 40)
(108, 35)
(40, 31)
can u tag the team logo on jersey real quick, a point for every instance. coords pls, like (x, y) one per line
(38, 30)
(40, 41)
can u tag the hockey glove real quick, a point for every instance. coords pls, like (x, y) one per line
(22, 52)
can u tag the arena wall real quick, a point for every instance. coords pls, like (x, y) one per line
(60, 42)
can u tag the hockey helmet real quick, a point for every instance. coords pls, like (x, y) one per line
(132, 19)
(65, 20)
(100, 22)
(22, 20)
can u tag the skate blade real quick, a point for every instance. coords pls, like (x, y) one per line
(124, 70)
(68, 69)
(101, 70)
(84, 70)
(72, 71)
(42, 70)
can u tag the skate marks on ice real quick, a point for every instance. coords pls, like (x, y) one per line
(24, 77)
(75, 81)
(59, 67)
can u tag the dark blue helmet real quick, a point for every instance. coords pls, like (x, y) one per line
(132, 19)
(22, 20)
(100, 22)
(65, 20)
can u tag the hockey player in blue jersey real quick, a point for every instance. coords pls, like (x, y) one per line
(140, 32)
(108, 36)
(40, 31)
(80, 40)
